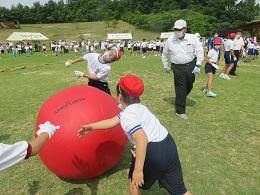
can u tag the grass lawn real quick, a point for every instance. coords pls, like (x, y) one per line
(219, 146)
(79, 30)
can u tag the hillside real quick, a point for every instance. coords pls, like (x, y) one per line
(76, 31)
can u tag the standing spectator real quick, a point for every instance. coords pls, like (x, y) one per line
(44, 49)
(186, 55)
(238, 45)
(144, 48)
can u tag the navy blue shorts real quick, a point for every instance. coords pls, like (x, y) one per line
(250, 52)
(209, 68)
(228, 58)
(162, 163)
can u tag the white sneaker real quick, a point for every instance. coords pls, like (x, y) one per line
(226, 77)
(182, 116)
(221, 75)
(211, 94)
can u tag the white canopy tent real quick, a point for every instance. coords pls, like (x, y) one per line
(166, 35)
(26, 36)
(119, 36)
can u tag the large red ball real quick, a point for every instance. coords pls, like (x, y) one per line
(65, 153)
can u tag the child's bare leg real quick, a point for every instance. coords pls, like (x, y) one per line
(187, 193)
(229, 69)
(210, 79)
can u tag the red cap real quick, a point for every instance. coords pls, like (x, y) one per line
(119, 53)
(132, 85)
(232, 35)
(217, 42)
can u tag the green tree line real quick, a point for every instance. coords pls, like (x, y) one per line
(156, 15)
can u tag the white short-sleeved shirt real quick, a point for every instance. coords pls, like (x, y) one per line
(95, 67)
(250, 45)
(183, 51)
(137, 116)
(228, 45)
(238, 43)
(12, 154)
(213, 55)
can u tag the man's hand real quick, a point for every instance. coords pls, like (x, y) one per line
(68, 63)
(137, 179)
(47, 127)
(166, 69)
(84, 130)
(78, 73)
(196, 70)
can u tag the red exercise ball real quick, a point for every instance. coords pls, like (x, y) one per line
(66, 154)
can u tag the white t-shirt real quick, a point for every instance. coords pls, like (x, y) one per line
(137, 116)
(95, 67)
(237, 43)
(213, 55)
(250, 45)
(228, 45)
(12, 154)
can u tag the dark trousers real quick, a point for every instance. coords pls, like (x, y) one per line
(183, 83)
(99, 85)
(162, 163)
(237, 54)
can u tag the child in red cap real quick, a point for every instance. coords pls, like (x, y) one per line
(154, 152)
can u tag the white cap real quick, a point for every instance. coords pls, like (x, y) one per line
(197, 35)
(179, 24)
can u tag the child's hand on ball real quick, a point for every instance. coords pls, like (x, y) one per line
(84, 130)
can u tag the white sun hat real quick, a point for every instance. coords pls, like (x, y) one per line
(179, 24)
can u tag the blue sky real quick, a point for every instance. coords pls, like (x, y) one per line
(8, 3)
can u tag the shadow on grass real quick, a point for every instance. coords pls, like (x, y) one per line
(34, 187)
(75, 191)
(4, 137)
(171, 100)
(93, 183)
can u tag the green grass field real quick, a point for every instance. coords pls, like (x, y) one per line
(77, 31)
(219, 146)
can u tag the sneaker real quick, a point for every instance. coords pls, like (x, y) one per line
(211, 94)
(205, 90)
(182, 116)
(221, 75)
(226, 77)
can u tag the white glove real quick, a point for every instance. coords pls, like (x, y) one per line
(235, 58)
(68, 63)
(166, 69)
(78, 73)
(196, 70)
(214, 65)
(47, 127)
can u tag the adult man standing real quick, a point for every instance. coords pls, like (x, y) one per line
(186, 55)
(238, 45)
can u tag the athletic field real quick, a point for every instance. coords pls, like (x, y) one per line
(219, 146)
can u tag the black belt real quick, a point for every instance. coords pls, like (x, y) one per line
(188, 63)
